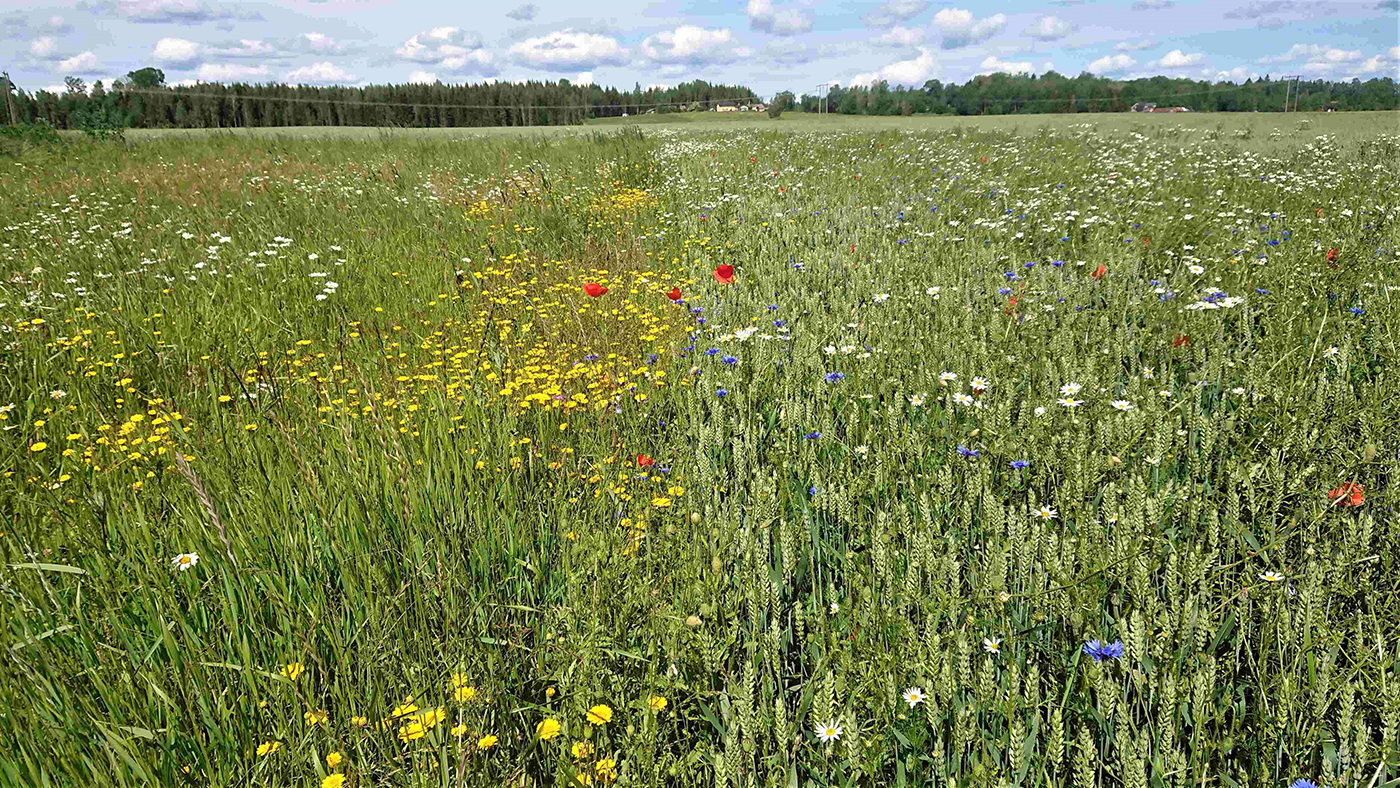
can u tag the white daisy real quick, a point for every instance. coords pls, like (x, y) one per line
(1070, 389)
(835, 608)
(1121, 404)
(1040, 411)
(992, 645)
(1330, 352)
(933, 291)
(184, 561)
(862, 450)
(829, 731)
(1154, 461)
(881, 298)
(1271, 576)
(913, 696)
(962, 399)
(916, 400)
(1045, 513)
(1070, 402)
(947, 377)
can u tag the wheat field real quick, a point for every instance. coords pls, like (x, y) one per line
(1044, 454)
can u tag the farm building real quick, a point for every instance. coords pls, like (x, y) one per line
(1143, 106)
(726, 106)
(1170, 109)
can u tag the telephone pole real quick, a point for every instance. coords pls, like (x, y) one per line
(1291, 88)
(9, 99)
(821, 100)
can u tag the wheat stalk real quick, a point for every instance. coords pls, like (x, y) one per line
(206, 500)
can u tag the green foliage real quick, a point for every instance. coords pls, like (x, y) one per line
(16, 139)
(422, 482)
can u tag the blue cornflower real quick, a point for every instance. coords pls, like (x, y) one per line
(812, 490)
(832, 377)
(1066, 238)
(966, 452)
(1261, 291)
(813, 435)
(779, 323)
(772, 307)
(1301, 783)
(1011, 275)
(729, 359)
(1019, 464)
(1030, 264)
(1058, 263)
(695, 310)
(1102, 651)
(721, 392)
(591, 357)
(1003, 291)
(712, 351)
(651, 358)
(1356, 310)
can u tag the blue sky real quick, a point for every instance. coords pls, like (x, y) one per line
(769, 45)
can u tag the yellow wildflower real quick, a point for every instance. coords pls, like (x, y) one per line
(656, 703)
(547, 729)
(269, 747)
(334, 759)
(599, 715)
(333, 781)
(293, 670)
(487, 742)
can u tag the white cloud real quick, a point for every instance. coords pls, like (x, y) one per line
(566, 50)
(1134, 46)
(227, 72)
(57, 89)
(778, 21)
(1049, 28)
(1236, 74)
(894, 12)
(693, 45)
(43, 47)
(584, 78)
(960, 28)
(1111, 64)
(318, 73)
(180, 12)
(524, 13)
(1177, 59)
(177, 51)
(1321, 60)
(448, 48)
(903, 72)
(902, 37)
(992, 66)
(85, 63)
(421, 77)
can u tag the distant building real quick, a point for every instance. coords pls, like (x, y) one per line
(1144, 106)
(759, 107)
(726, 106)
(1170, 109)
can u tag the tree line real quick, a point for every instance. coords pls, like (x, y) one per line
(143, 100)
(1002, 94)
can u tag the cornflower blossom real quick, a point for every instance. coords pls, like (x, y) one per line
(966, 452)
(832, 377)
(1019, 464)
(1101, 651)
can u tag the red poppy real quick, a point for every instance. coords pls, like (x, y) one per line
(675, 294)
(1332, 255)
(644, 461)
(853, 248)
(1100, 271)
(1349, 494)
(1181, 340)
(984, 160)
(725, 274)
(594, 289)
(1147, 242)
(752, 160)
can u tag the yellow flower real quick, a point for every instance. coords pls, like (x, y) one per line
(661, 503)
(293, 670)
(459, 730)
(464, 694)
(460, 680)
(549, 692)
(599, 715)
(411, 731)
(583, 778)
(431, 717)
(333, 760)
(269, 747)
(315, 717)
(487, 742)
(607, 770)
(333, 781)
(547, 729)
(359, 722)
(656, 703)
(408, 707)
(581, 750)
(40, 446)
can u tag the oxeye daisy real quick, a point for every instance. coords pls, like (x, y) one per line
(962, 399)
(1271, 576)
(829, 731)
(992, 645)
(1070, 389)
(913, 696)
(184, 561)
(1070, 402)
(1121, 404)
(1045, 513)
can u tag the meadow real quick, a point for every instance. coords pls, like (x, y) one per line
(1020, 453)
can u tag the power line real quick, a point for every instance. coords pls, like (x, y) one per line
(360, 102)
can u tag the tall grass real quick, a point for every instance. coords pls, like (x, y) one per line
(428, 480)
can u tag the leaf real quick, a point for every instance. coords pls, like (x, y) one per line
(67, 570)
(29, 641)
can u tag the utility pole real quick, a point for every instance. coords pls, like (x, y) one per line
(821, 102)
(1293, 88)
(9, 99)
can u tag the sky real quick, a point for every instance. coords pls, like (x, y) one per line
(767, 45)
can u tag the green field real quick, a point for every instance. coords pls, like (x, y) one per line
(1018, 451)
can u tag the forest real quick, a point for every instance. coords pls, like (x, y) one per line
(144, 100)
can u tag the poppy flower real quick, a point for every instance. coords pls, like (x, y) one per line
(594, 289)
(1349, 494)
(1147, 242)
(725, 274)
(675, 294)
(1181, 340)
(1100, 271)
(984, 160)
(644, 461)
(1332, 255)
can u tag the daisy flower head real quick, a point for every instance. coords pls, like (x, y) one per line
(1271, 576)
(829, 731)
(1330, 352)
(600, 715)
(916, 400)
(933, 291)
(1070, 389)
(184, 561)
(992, 645)
(913, 696)
(1045, 513)
(962, 399)
(1070, 402)
(979, 384)
(947, 377)
(1121, 404)
(881, 298)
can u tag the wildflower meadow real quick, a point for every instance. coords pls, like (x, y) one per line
(835, 455)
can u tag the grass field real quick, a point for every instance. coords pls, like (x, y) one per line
(1014, 452)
